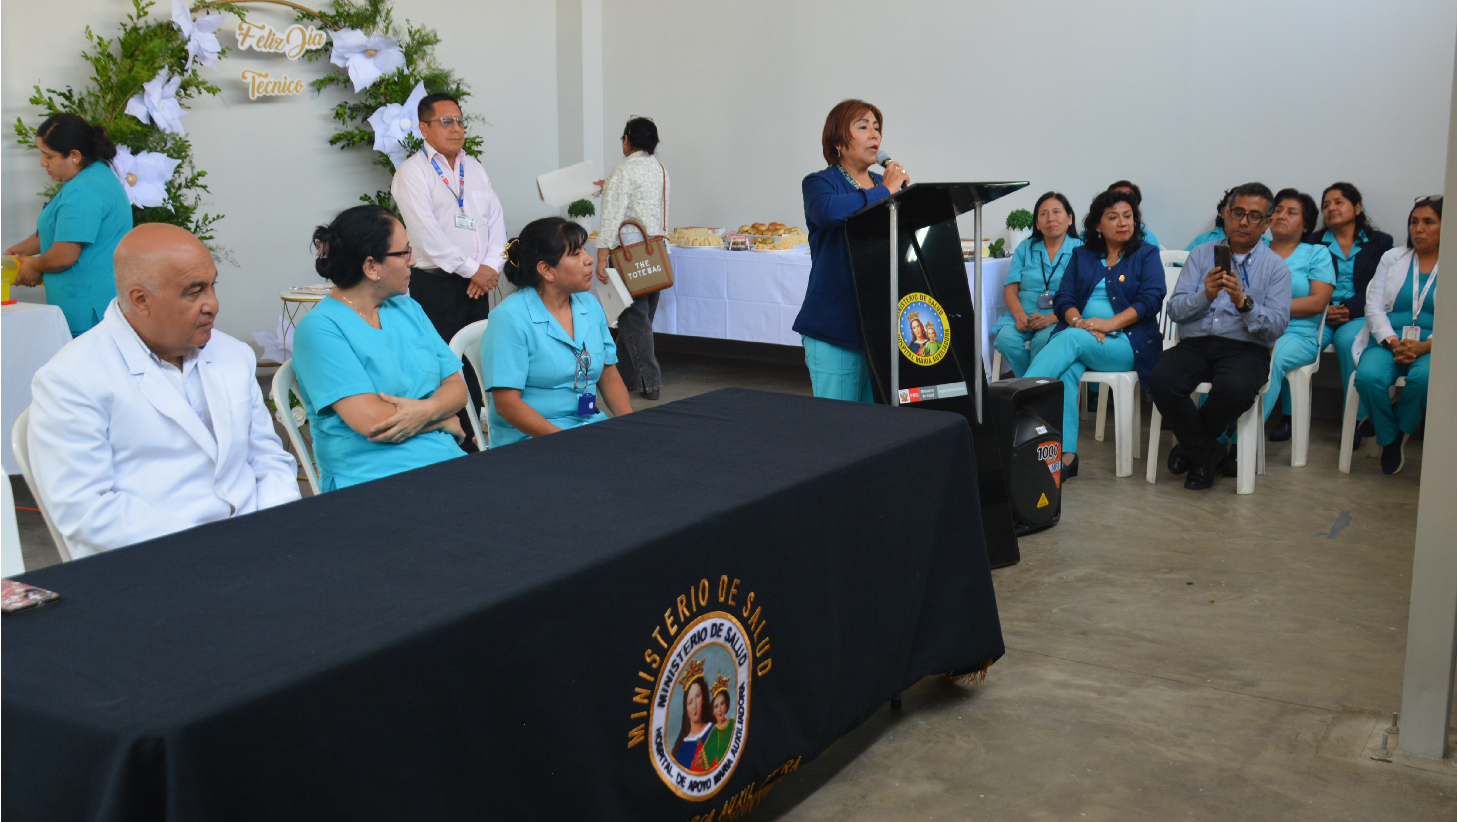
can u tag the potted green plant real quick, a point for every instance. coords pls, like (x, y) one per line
(581, 212)
(1019, 228)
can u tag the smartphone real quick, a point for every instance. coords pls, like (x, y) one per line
(1223, 258)
(16, 596)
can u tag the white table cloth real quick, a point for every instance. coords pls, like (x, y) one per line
(755, 295)
(30, 334)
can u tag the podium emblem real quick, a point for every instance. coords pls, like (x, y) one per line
(925, 336)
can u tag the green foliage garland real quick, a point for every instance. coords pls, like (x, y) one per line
(119, 68)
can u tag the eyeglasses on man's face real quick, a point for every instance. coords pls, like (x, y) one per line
(448, 122)
(1239, 215)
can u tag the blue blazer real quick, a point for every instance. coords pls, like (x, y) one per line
(1136, 281)
(830, 312)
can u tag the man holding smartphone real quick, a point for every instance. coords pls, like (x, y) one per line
(1232, 303)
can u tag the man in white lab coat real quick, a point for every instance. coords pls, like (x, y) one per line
(153, 422)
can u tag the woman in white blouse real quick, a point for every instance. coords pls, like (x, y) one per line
(636, 190)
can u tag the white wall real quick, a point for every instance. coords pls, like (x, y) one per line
(1186, 99)
(270, 166)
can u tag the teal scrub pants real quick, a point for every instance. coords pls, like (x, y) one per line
(1291, 352)
(1375, 376)
(1066, 357)
(837, 373)
(1013, 345)
(1345, 340)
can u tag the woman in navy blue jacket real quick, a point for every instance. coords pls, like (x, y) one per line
(829, 320)
(1108, 309)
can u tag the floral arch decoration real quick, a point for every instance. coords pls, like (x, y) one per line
(142, 80)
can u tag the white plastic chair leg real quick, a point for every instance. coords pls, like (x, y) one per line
(1137, 420)
(1123, 432)
(1101, 427)
(1348, 426)
(1250, 436)
(1299, 416)
(996, 366)
(1155, 422)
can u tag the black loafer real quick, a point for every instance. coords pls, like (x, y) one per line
(1367, 428)
(1201, 476)
(1393, 456)
(650, 395)
(1070, 469)
(1230, 465)
(1281, 432)
(1178, 463)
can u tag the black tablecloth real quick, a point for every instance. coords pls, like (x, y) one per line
(484, 638)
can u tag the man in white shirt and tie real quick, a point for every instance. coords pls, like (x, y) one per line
(152, 422)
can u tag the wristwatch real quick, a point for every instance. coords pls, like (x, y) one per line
(1247, 305)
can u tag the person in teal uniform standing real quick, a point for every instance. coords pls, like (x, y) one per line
(381, 388)
(1217, 233)
(547, 350)
(1131, 188)
(1032, 281)
(1108, 306)
(78, 230)
(1356, 247)
(1312, 279)
(1401, 306)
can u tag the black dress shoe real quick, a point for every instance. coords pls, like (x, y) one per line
(1393, 456)
(1367, 428)
(1201, 475)
(650, 395)
(1070, 469)
(1229, 466)
(1281, 432)
(1178, 463)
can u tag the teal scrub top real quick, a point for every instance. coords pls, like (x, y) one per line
(336, 354)
(524, 347)
(1207, 237)
(1150, 237)
(91, 209)
(1033, 272)
(1345, 266)
(1308, 263)
(1401, 314)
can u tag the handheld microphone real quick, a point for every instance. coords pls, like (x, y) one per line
(882, 158)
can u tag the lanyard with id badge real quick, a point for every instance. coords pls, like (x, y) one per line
(462, 220)
(586, 401)
(1044, 300)
(1413, 332)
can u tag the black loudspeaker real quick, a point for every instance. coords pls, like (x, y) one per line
(1027, 415)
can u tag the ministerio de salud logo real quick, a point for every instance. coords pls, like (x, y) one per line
(695, 715)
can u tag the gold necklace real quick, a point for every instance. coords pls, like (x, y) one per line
(355, 307)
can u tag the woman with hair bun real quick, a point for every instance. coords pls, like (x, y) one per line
(381, 388)
(77, 232)
(547, 350)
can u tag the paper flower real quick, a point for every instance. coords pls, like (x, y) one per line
(202, 44)
(144, 176)
(276, 345)
(394, 122)
(368, 57)
(157, 103)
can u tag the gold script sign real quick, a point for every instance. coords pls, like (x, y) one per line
(292, 42)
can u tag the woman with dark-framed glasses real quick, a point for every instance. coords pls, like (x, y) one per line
(380, 387)
(547, 351)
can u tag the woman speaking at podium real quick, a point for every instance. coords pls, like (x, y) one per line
(829, 320)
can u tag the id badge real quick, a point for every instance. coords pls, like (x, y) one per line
(1411, 332)
(586, 405)
(465, 221)
(1044, 300)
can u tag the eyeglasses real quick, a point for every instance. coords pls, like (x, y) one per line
(447, 122)
(1429, 199)
(584, 368)
(407, 253)
(1239, 215)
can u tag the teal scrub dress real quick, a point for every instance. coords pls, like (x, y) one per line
(1073, 351)
(1300, 344)
(1207, 237)
(336, 354)
(1344, 338)
(524, 347)
(1034, 274)
(91, 209)
(1378, 369)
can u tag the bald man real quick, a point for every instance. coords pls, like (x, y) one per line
(152, 421)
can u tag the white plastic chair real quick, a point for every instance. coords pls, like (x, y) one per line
(1348, 423)
(467, 343)
(12, 561)
(1300, 390)
(20, 446)
(284, 382)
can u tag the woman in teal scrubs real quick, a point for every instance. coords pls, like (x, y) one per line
(1032, 280)
(380, 387)
(1400, 320)
(1312, 278)
(1108, 304)
(547, 350)
(77, 232)
(1356, 247)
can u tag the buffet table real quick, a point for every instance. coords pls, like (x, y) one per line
(482, 639)
(755, 295)
(30, 334)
